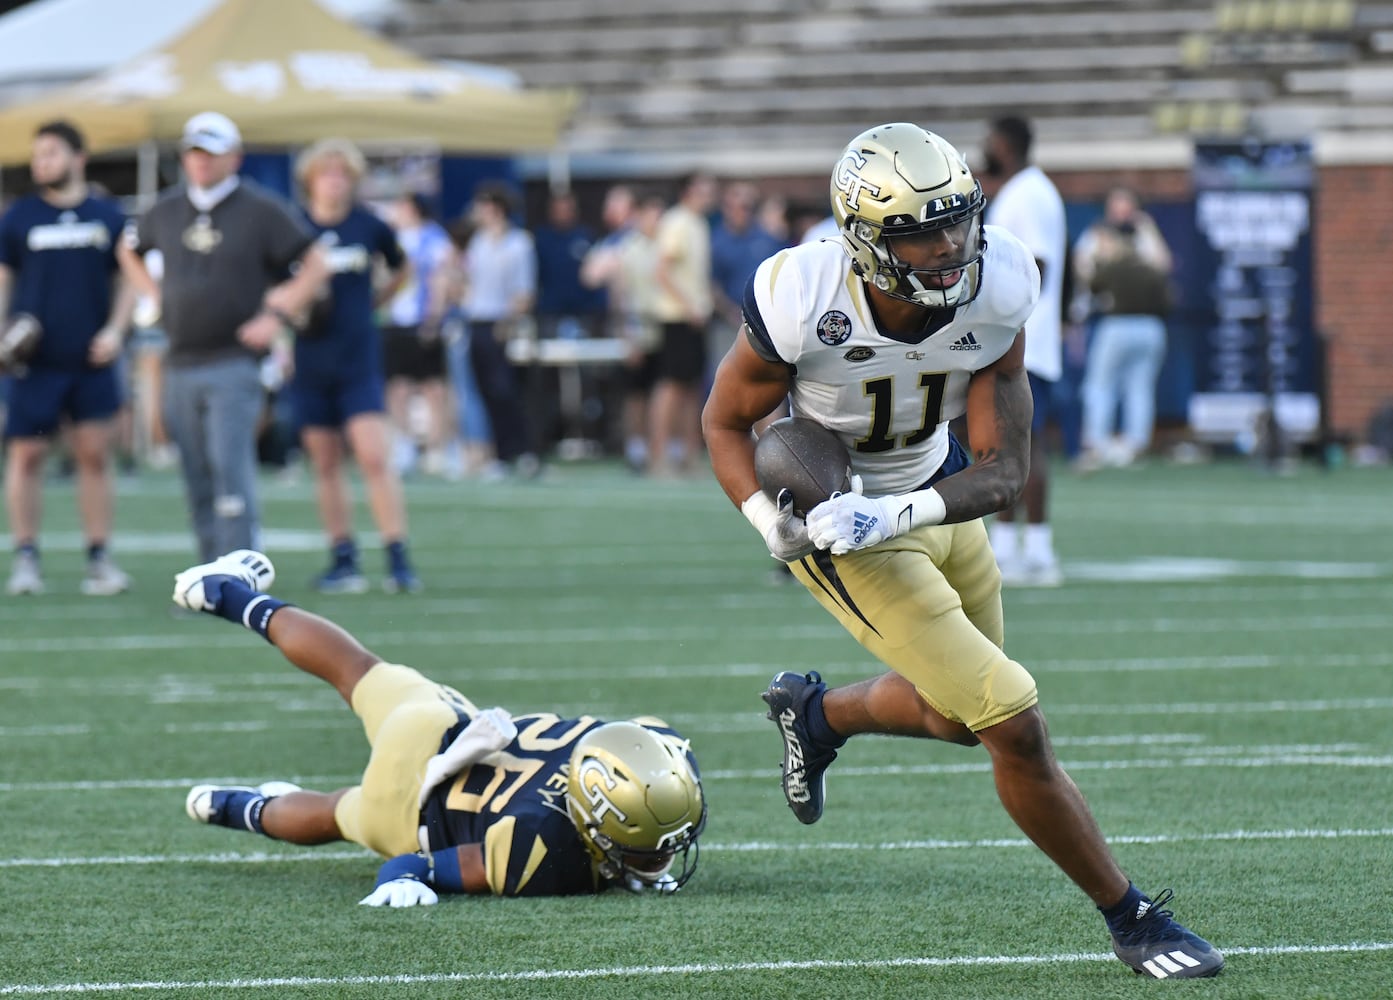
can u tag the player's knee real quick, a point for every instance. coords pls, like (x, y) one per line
(1021, 739)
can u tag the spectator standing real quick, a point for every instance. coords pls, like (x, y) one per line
(567, 309)
(414, 351)
(1125, 264)
(239, 270)
(739, 244)
(1026, 203)
(624, 262)
(683, 308)
(58, 264)
(338, 392)
(500, 268)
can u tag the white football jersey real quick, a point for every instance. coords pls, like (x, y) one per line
(888, 398)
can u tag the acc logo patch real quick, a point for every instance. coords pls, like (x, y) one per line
(859, 354)
(834, 328)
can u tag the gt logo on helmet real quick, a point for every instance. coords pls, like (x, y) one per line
(851, 183)
(600, 803)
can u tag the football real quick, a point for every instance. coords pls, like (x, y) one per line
(802, 456)
(19, 339)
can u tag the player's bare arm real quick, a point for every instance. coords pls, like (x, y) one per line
(999, 408)
(296, 295)
(747, 388)
(133, 267)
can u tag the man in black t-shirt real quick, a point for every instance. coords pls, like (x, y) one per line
(239, 269)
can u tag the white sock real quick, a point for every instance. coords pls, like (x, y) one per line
(1039, 543)
(1005, 539)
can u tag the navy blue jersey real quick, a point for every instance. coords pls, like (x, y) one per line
(346, 340)
(64, 263)
(515, 805)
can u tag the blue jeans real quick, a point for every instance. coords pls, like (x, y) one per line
(471, 416)
(1124, 361)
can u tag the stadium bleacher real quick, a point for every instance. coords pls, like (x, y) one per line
(800, 76)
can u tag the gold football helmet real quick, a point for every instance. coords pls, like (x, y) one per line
(636, 799)
(898, 180)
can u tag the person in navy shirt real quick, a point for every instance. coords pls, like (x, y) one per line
(338, 388)
(58, 264)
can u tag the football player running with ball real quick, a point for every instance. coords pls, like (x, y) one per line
(914, 318)
(458, 799)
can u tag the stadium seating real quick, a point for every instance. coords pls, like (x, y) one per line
(783, 78)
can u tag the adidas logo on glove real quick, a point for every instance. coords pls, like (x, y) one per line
(861, 527)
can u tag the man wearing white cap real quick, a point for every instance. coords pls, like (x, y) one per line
(239, 268)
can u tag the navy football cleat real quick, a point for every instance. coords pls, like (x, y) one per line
(1155, 945)
(805, 763)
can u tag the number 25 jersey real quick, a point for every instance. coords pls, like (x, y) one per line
(889, 398)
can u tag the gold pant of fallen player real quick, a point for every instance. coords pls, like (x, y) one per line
(928, 604)
(405, 715)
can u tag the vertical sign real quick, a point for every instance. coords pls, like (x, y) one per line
(1256, 349)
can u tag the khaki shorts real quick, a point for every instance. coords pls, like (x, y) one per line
(928, 604)
(405, 716)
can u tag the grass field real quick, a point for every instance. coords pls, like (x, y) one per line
(1217, 674)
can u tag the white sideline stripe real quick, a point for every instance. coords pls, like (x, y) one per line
(696, 968)
(747, 847)
(167, 686)
(201, 640)
(1299, 755)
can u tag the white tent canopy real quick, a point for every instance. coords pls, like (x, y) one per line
(98, 34)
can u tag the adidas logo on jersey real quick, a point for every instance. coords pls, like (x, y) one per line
(967, 342)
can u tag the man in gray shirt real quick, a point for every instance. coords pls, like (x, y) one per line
(239, 269)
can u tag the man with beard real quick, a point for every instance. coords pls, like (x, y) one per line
(58, 266)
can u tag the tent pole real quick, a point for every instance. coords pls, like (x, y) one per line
(147, 174)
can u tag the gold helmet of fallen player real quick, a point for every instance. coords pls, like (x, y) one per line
(635, 796)
(898, 180)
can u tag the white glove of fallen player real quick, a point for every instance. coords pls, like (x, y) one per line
(785, 534)
(850, 521)
(405, 891)
(664, 884)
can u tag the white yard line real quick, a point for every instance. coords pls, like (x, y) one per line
(634, 971)
(311, 855)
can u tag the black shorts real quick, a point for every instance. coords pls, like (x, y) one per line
(406, 355)
(682, 354)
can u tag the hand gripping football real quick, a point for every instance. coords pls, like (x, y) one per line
(19, 339)
(802, 456)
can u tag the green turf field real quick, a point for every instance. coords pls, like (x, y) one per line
(1217, 674)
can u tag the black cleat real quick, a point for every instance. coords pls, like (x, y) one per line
(805, 763)
(1155, 945)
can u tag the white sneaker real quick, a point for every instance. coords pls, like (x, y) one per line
(1041, 573)
(104, 579)
(202, 807)
(250, 567)
(25, 577)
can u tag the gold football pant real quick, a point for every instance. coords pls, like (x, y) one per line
(928, 604)
(405, 716)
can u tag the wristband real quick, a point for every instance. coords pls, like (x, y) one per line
(283, 316)
(917, 509)
(446, 871)
(760, 511)
(412, 866)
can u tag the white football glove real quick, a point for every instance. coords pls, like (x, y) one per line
(785, 534)
(403, 891)
(251, 567)
(664, 884)
(850, 521)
